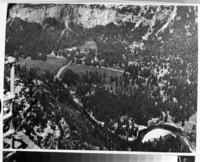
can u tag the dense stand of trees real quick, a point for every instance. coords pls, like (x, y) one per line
(175, 88)
(23, 42)
(118, 96)
(109, 105)
(49, 100)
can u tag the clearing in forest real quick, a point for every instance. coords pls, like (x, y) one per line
(52, 64)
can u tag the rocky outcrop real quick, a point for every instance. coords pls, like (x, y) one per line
(90, 15)
(35, 14)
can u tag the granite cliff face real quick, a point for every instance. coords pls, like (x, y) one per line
(91, 15)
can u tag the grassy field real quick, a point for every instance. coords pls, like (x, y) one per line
(52, 64)
(81, 69)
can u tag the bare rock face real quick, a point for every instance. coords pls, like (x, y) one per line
(84, 15)
(21, 136)
(92, 17)
(89, 16)
(37, 14)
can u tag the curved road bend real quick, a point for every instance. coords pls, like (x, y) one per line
(61, 70)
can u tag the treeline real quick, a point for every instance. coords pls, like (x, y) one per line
(23, 42)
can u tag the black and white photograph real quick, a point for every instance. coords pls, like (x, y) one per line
(107, 77)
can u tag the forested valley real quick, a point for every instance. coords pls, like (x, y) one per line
(132, 80)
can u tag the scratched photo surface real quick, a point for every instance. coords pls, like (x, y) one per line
(111, 77)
